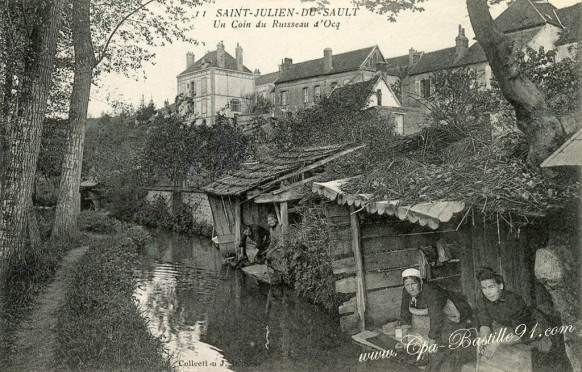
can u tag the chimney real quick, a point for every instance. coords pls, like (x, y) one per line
(411, 56)
(190, 59)
(257, 73)
(220, 55)
(462, 44)
(327, 61)
(286, 64)
(239, 58)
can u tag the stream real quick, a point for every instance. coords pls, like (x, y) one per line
(214, 318)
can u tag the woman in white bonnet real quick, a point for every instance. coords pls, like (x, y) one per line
(430, 304)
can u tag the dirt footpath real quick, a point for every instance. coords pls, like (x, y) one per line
(35, 337)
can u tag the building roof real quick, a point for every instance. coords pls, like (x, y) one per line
(433, 61)
(526, 14)
(341, 63)
(253, 175)
(570, 153)
(362, 90)
(210, 57)
(570, 17)
(267, 78)
(445, 58)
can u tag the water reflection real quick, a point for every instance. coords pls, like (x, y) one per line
(215, 318)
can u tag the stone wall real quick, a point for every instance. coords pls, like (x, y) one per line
(195, 198)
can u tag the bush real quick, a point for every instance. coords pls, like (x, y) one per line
(97, 222)
(100, 326)
(157, 215)
(309, 261)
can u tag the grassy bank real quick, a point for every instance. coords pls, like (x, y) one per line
(100, 326)
(26, 273)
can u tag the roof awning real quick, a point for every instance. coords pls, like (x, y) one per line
(570, 153)
(425, 214)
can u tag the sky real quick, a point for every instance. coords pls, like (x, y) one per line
(264, 48)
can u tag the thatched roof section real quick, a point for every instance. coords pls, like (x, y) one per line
(253, 175)
(443, 163)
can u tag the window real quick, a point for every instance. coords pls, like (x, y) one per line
(425, 89)
(203, 102)
(192, 89)
(379, 96)
(305, 95)
(316, 92)
(284, 98)
(273, 98)
(204, 87)
(234, 105)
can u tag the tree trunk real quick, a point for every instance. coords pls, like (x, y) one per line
(542, 128)
(68, 202)
(32, 223)
(26, 126)
(545, 133)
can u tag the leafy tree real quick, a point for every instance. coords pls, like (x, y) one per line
(256, 104)
(459, 100)
(144, 113)
(112, 156)
(339, 118)
(170, 149)
(173, 149)
(559, 80)
(99, 40)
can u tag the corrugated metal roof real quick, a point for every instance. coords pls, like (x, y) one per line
(570, 153)
(253, 175)
(425, 214)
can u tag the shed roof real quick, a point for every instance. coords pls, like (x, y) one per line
(570, 153)
(342, 62)
(431, 214)
(253, 175)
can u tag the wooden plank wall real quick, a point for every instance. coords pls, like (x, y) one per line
(223, 212)
(507, 253)
(344, 264)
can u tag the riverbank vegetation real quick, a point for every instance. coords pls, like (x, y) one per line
(100, 326)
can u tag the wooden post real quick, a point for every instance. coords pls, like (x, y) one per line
(360, 274)
(284, 221)
(237, 224)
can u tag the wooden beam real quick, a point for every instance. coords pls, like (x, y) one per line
(237, 224)
(284, 221)
(293, 185)
(318, 163)
(360, 273)
(293, 194)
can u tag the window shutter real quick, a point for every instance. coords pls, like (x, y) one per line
(417, 87)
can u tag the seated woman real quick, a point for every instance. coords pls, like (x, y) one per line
(434, 313)
(430, 305)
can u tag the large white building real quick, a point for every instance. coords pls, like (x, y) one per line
(216, 83)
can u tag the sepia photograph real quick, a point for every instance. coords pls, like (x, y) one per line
(290, 185)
